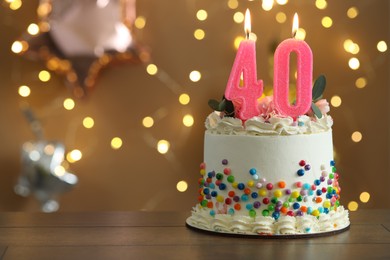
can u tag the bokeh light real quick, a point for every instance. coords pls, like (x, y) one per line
(327, 22)
(354, 63)
(199, 34)
(364, 197)
(361, 82)
(88, 122)
(201, 15)
(17, 47)
(195, 76)
(188, 120)
(116, 143)
(381, 46)
(353, 206)
(44, 76)
(301, 34)
(184, 99)
(356, 136)
(321, 4)
(69, 104)
(24, 91)
(238, 17)
(151, 69)
(267, 5)
(140, 22)
(163, 146)
(15, 4)
(74, 156)
(352, 12)
(281, 2)
(232, 4)
(182, 186)
(237, 41)
(33, 29)
(335, 101)
(281, 17)
(148, 122)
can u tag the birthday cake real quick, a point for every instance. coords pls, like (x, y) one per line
(270, 174)
(268, 162)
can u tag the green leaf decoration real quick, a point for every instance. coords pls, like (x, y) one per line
(214, 104)
(316, 110)
(318, 88)
(222, 105)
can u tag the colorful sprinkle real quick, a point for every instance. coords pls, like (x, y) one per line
(224, 162)
(301, 172)
(281, 184)
(252, 213)
(252, 171)
(227, 171)
(307, 167)
(231, 211)
(270, 186)
(302, 163)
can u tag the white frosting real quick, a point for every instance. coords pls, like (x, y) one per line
(274, 125)
(286, 225)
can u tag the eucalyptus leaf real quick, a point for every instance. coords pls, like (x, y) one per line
(318, 88)
(222, 105)
(214, 104)
(316, 110)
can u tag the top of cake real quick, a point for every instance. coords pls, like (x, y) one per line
(270, 121)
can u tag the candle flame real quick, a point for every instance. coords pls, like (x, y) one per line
(295, 26)
(247, 26)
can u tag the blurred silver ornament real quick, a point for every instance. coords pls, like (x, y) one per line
(43, 174)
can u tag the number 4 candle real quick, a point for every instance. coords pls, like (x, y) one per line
(282, 73)
(245, 97)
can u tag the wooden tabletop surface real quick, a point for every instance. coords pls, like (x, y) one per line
(163, 235)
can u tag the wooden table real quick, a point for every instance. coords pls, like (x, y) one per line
(163, 235)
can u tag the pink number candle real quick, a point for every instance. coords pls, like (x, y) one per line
(282, 73)
(245, 97)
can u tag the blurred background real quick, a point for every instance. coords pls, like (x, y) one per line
(108, 98)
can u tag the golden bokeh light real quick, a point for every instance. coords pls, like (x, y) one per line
(44, 76)
(354, 63)
(184, 99)
(116, 143)
(148, 122)
(327, 22)
(232, 4)
(69, 104)
(281, 2)
(352, 12)
(24, 91)
(59, 170)
(195, 76)
(151, 69)
(351, 47)
(88, 122)
(182, 186)
(17, 47)
(321, 4)
(301, 34)
(361, 82)
(201, 15)
(163, 146)
(353, 206)
(381, 46)
(74, 156)
(267, 5)
(281, 17)
(140, 22)
(199, 34)
(356, 136)
(335, 101)
(33, 29)
(364, 197)
(238, 17)
(15, 4)
(188, 120)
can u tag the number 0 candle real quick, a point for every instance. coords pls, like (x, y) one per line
(282, 73)
(244, 97)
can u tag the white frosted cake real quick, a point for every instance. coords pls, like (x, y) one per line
(269, 175)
